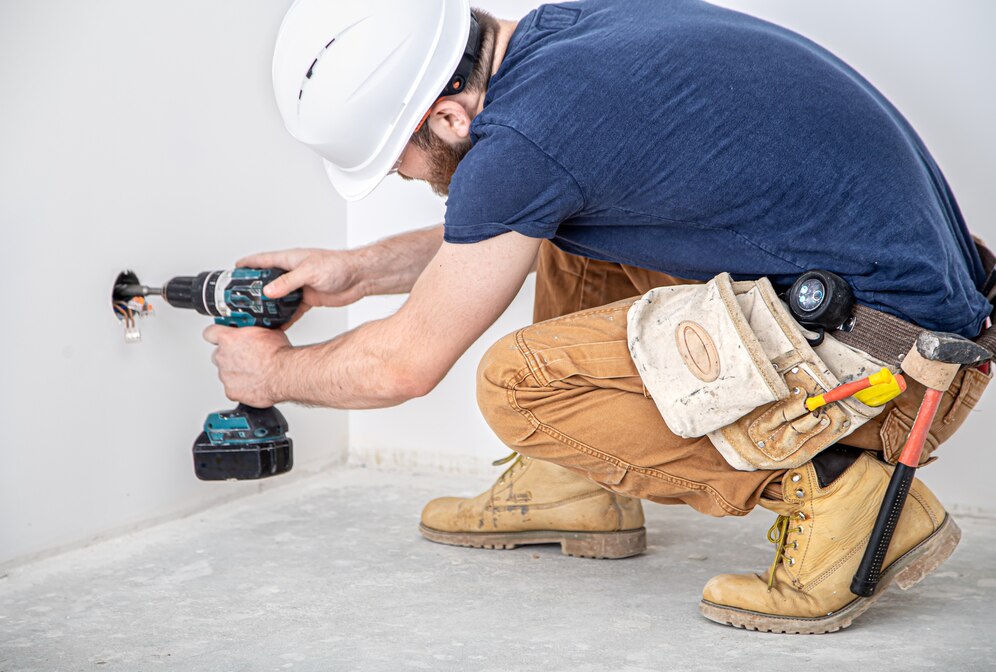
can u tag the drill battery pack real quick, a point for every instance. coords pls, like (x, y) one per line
(244, 444)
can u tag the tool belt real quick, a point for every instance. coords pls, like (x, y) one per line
(728, 361)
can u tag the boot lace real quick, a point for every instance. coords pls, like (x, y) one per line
(515, 460)
(507, 459)
(778, 535)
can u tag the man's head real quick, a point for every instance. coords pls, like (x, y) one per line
(438, 146)
(353, 79)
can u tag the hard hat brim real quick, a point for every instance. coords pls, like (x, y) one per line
(357, 185)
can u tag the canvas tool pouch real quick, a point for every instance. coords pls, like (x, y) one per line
(727, 360)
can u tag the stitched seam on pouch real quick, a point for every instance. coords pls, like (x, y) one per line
(741, 452)
(747, 337)
(511, 388)
(790, 328)
(834, 434)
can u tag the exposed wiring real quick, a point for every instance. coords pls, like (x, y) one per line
(129, 312)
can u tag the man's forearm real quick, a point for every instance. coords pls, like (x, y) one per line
(392, 265)
(352, 372)
(385, 362)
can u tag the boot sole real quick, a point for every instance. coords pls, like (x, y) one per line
(596, 545)
(906, 571)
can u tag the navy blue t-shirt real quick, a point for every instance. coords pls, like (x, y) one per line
(681, 137)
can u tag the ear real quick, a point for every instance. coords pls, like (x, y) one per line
(450, 120)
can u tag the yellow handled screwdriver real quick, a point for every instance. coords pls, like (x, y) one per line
(876, 390)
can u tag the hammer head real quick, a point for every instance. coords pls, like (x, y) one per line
(950, 349)
(937, 358)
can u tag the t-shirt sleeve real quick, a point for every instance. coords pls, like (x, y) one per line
(507, 183)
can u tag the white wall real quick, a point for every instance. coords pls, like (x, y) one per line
(134, 135)
(934, 61)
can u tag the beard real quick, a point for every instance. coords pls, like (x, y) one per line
(443, 159)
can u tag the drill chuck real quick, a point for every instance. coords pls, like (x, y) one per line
(194, 293)
(180, 292)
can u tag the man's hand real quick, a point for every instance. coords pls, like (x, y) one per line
(249, 362)
(328, 278)
(332, 279)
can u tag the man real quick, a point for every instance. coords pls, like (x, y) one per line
(617, 147)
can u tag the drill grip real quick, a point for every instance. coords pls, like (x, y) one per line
(242, 303)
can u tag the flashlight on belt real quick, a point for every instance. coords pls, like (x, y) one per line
(821, 301)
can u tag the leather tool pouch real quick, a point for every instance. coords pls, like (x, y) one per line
(726, 360)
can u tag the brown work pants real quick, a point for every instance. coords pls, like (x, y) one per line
(565, 390)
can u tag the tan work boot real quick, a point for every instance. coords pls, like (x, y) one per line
(536, 502)
(820, 536)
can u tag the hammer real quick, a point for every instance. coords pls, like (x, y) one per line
(934, 361)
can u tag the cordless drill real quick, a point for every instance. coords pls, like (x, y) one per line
(245, 443)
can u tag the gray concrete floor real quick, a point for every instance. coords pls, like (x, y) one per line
(330, 574)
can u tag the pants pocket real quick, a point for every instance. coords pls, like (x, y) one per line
(973, 384)
(895, 430)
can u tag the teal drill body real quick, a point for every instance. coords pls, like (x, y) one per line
(234, 298)
(244, 443)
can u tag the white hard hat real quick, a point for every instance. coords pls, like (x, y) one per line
(355, 78)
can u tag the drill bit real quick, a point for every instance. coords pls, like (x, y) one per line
(128, 292)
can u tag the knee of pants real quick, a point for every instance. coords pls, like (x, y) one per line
(504, 370)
